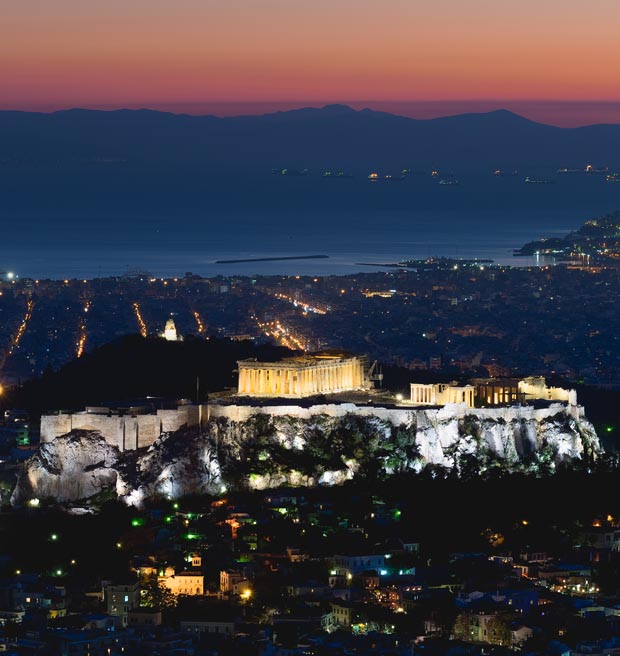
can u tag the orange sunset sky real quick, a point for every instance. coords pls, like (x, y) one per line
(552, 60)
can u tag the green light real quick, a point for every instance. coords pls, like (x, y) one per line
(169, 518)
(137, 521)
(609, 428)
(54, 536)
(175, 506)
(58, 572)
(191, 536)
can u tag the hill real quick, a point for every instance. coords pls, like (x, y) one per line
(133, 367)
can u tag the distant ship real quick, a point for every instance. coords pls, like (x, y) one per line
(500, 173)
(337, 174)
(531, 180)
(376, 177)
(612, 177)
(292, 172)
(449, 181)
(587, 170)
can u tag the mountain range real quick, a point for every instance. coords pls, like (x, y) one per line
(334, 137)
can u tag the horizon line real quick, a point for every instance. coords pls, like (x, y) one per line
(565, 113)
(540, 111)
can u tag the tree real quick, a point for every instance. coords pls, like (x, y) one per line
(154, 594)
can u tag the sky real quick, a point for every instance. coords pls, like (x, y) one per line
(551, 60)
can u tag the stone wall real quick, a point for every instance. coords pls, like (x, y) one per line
(126, 432)
(397, 415)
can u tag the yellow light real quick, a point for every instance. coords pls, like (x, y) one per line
(246, 594)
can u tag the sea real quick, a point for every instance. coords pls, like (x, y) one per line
(73, 225)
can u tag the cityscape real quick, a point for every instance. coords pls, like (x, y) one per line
(309, 328)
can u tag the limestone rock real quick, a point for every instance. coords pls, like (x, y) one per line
(75, 466)
(267, 450)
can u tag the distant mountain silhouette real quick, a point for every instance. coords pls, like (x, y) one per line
(334, 136)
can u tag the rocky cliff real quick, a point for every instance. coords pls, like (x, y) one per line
(266, 450)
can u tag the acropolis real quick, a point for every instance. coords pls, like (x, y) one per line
(331, 384)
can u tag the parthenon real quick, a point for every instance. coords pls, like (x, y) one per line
(302, 376)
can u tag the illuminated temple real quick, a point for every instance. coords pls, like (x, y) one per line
(302, 376)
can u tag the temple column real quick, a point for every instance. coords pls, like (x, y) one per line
(246, 381)
(270, 381)
(294, 383)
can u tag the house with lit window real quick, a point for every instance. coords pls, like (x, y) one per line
(120, 600)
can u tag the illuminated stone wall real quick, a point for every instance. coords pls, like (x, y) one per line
(301, 377)
(396, 416)
(126, 432)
